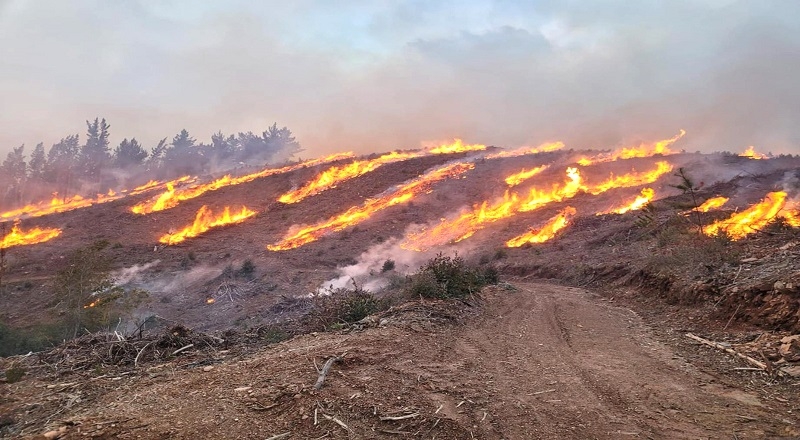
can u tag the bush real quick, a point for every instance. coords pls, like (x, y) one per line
(387, 266)
(341, 307)
(14, 374)
(450, 277)
(248, 269)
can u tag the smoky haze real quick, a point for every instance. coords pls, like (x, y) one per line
(371, 76)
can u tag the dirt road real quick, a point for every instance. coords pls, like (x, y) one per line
(565, 365)
(539, 362)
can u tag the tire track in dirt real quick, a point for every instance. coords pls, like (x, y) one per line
(565, 365)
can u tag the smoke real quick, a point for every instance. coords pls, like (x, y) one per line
(368, 272)
(380, 75)
(131, 274)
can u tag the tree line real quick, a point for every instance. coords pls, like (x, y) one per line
(70, 167)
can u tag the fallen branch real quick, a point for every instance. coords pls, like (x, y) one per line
(185, 347)
(325, 369)
(407, 416)
(543, 392)
(136, 360)
(337, 421)
(752, 361)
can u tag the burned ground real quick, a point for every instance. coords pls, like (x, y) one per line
(597, 315)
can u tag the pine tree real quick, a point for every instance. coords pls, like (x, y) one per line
(129, 154)
(37, 164)
(95, 154)
(14, 171)
(62, 164)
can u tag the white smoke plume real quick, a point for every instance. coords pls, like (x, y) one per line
(131, 274)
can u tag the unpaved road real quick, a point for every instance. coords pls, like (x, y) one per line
(539, 362)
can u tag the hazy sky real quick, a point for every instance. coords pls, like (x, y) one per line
(374, 75)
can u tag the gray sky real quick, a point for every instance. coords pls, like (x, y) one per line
(380, 74)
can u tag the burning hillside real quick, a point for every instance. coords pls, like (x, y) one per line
(401, 206)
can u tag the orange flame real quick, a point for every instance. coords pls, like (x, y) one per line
(517, 178)
(642, 199)
(158, 185)
(712, 203)
(524, 151)
(92, 304)
(751, 219)
(57, 204)
(358, 214)
(172, 197)
(205, 220)
(792, 217)
(633, 179)
(468, 223)
(18, 237)
(457, 146)
(643, 150)
(547, 231)
(334, 175)
(751, 153)
(211, 301)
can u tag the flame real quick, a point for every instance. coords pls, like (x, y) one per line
(205, 220)
(468, 223)
(334, 175)
(751, 153)
(92, 304)
(643, 150)
(517, 178)
(633, 179)
(457, 146)
(712, 203)
(751, 219)
(18, 237)
(211, 301)
(172, 197)
(642, 199)
(57, 204)
(524, 151)
(358, 214)
(792, 217)
(547, 231)
(158, 185)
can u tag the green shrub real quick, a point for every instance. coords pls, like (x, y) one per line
(248, 269)
(450, 277)
(14, 374)
(387, 266)
(342, 307)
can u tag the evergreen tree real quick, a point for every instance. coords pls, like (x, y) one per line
(14, 167)
(281, 140)
(38, 163)
(95, 154)
(156, 158)
(129, 154)
(183, 157)
(13, 172)
(223, 147)
(62, 164)
(270, 143)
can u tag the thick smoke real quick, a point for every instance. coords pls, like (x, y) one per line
(379, 75)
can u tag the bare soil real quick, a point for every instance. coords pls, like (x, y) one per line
(527, 361)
